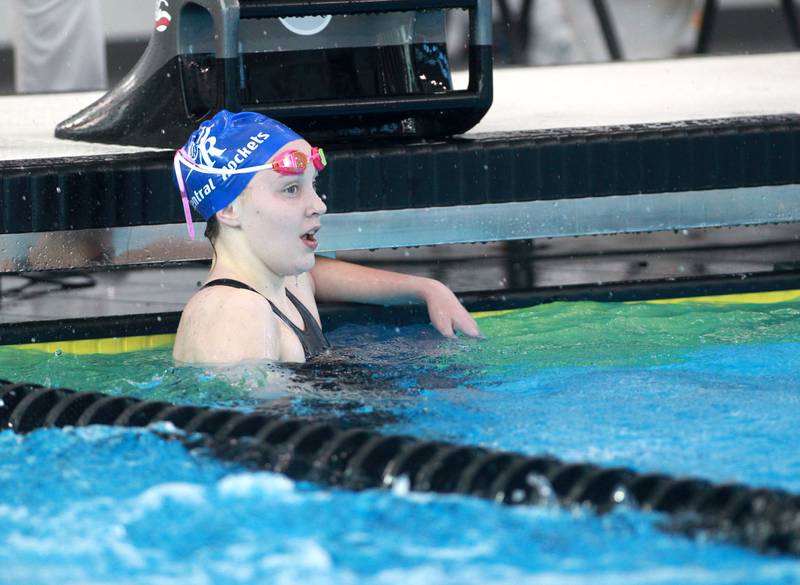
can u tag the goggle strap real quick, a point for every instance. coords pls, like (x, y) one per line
(187, 212)
(186, 161)
(318, 158)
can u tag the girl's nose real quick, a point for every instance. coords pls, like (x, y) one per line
(318, 206)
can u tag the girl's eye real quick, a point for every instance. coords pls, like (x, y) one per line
(292, 189)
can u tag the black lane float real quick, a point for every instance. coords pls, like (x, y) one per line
(767, 520)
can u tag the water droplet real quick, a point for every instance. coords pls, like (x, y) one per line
(400, 485)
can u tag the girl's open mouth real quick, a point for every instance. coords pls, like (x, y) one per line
(309, 238)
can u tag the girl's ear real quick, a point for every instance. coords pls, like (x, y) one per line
(230, 215)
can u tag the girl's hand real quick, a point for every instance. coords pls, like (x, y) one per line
(447, 314)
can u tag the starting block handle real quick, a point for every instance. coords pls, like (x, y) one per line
(480, 24)
(478, 93)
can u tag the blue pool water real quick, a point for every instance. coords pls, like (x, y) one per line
(728, 413)
(706, 391)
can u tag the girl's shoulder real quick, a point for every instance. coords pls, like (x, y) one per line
(223, 324)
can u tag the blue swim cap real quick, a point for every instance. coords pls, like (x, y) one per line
(226, 141)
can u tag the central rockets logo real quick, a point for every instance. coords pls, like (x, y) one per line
(205, 147)
(163, 18)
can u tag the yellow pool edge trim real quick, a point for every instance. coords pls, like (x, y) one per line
(108, 345)
(484, 314)
(756, 298)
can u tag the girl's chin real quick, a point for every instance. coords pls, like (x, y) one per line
(308, 265)
(301, 267)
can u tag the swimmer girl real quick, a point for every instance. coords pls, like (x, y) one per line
(252, 179)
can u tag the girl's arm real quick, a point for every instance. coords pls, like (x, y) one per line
(337, 281)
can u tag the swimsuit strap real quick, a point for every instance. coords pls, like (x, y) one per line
(304, 314)
(231, 283)
(311, 336)
(311, 330)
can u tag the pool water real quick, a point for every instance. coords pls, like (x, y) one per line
(707, 390)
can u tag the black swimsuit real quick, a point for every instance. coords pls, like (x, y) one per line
(311, 336)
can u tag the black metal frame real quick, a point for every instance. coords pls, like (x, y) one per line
(711, 8)
(519, 31)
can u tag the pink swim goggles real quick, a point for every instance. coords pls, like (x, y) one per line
(294, 162)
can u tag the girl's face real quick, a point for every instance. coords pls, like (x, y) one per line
(280, 215)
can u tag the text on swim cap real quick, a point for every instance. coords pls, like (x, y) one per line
(207, 150)
(199, 194)
(245, 151)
